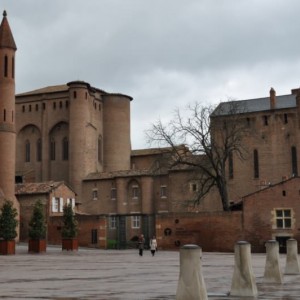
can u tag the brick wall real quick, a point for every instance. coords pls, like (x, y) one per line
(212, 231)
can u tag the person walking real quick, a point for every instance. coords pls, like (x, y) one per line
(141, 244)
(153, 245)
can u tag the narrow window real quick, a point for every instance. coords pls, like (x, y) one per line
(248, 122)
(36, 107)
(266, 121)
(100, 149)
(283, 193)
(112, 222)
(135, 192)
(12, 116)
(136, 222)
(44, 106)
(256, 164)
(113, 194)
(60, 104)
(29, 107)
(294, 161)
(39, 150)
(94, 236)
(4, 115)
(23, 108)
(5, 66)
(74, 94)
(67, 104)
(85, 95)
(95, 195)
(163, 191)
(54, 105)
(52, 149)
(230, 165)
(55, 204)
(285, 118)
(13, 67)
(27, 151)
(65, 147)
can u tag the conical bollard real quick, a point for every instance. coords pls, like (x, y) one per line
(273, 272)
(191, 284)
(292, 262)
(243, 280)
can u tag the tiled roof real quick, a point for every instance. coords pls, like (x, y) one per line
(6, 37)
(254, 105)
(48, 89)
(36, 187)
(124, 173)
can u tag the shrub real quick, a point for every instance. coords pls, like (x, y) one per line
(37, 225)
(69, 229)
(8, 221)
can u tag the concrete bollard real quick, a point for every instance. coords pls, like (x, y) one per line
(292, 262)
(273, 272)
(243, 280)
(191, 283)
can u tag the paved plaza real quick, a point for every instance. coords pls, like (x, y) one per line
(123, 275)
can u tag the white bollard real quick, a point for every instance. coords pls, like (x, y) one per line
(191, 284)
(272, 268)
(243, 280)
(292, 262)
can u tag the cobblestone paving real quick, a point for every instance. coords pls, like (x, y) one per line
(123, 275)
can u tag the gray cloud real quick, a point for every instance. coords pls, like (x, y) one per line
(164, 53)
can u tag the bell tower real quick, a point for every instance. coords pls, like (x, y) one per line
(7, 113)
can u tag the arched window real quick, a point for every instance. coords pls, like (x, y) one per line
(256, 164)
(52, 149)
(100, 158)
(27, 151)
(39, 150)
(230, 165)
(65, 148)
(5, 66)
(294, 161)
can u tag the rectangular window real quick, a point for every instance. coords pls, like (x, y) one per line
(135, 222)
(55, 204)
(163, 191)
(283, 218)
(112, 222)
(266, 121)
(193, 187)
(113, 194)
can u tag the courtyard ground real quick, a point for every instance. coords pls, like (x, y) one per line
(123, 275)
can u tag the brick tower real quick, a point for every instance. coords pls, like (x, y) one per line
(7, 113)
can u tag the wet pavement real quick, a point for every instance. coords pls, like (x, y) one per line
(123, 275)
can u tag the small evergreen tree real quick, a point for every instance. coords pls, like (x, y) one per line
(37, 225)
(69, 229)
(8, 221)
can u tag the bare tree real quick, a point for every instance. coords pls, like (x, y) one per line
(205, 140)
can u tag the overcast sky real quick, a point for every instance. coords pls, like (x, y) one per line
(163, 53)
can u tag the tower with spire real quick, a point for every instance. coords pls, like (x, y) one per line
(7, 113)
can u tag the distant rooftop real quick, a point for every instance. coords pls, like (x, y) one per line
(255, 105)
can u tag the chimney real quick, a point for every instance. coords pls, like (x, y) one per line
(272, 99)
